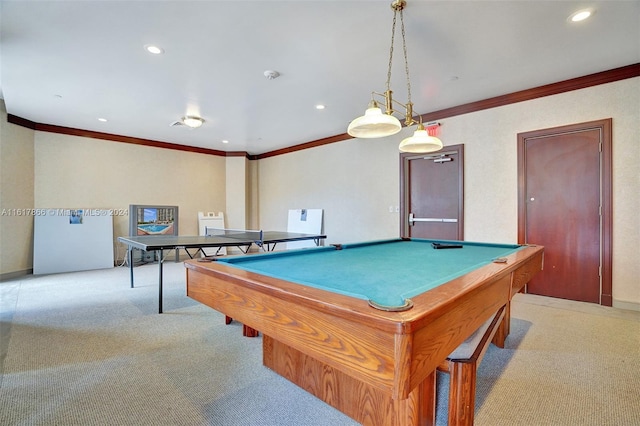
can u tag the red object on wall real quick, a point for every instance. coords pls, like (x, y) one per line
(433, 129)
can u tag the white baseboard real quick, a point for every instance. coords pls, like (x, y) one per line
(13, 275)
(629, 306)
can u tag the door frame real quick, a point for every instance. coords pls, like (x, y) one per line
(405, 157)
(604, 126)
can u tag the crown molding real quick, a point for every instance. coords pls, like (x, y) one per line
(610, 76)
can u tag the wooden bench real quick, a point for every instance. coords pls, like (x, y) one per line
(462, 365)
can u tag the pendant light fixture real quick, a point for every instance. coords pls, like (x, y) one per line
(421, 142)
(376, 124)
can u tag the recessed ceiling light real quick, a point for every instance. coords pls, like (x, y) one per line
(225, 141)
(192, 121)
(580, 15)
(104, 120)
(320, 106)
(156, 50)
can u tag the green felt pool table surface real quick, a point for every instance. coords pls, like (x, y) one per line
(386, 272)
(320, 330)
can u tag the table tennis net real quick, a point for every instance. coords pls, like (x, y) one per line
(237, 234)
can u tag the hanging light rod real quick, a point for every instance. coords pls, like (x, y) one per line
(376, 124)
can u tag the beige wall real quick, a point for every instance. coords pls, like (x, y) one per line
(16, 187)
(77, 172)
(356, 181)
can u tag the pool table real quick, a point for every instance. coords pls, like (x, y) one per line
(364, 326)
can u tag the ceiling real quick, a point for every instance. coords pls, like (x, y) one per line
(68, 63)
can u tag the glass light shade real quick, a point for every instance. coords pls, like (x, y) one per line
(193, 122)
(421, 142)
(374, 124)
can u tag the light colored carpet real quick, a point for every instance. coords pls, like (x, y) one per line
(85, 349)
(565, 363)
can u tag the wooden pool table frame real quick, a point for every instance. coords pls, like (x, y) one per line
(377, 367)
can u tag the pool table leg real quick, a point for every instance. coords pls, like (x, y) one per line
(348, 394)
(246, 331)
(249, 332)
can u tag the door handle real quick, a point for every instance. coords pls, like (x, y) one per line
(413, 219)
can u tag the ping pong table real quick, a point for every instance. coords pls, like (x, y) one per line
(215, 238)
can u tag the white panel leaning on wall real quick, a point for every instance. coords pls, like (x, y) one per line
(304, 221)
(211, 220)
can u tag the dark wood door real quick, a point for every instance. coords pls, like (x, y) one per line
(432, 199)
(561, 198)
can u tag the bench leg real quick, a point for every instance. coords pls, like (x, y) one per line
(462, 393)
(428, 403)
(501, 334)
(504, 328)
(507, 319)
(462, 371)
